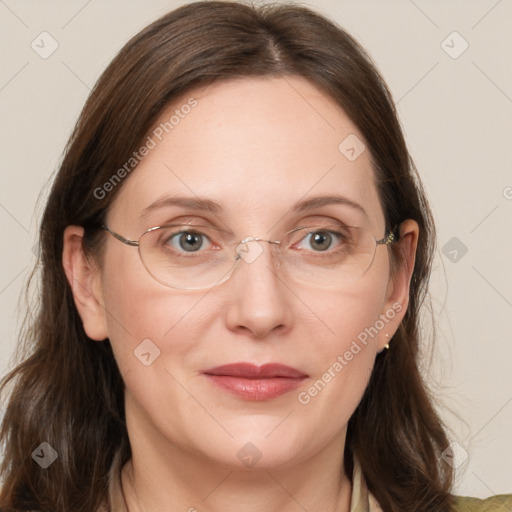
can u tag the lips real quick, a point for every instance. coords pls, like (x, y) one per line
(251, 371)
(252, 382)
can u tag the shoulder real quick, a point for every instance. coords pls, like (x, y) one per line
(501, 503)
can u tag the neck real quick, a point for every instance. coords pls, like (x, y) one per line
(232, 491)
(161, 476)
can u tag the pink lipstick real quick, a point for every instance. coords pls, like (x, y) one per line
(257, 383)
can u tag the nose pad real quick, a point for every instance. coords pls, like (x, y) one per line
(249, 252)
(251, 248)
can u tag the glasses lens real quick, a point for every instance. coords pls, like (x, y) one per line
(197, 257)
(186, 256)
(328, 256)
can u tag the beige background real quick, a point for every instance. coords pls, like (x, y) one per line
(456, 113)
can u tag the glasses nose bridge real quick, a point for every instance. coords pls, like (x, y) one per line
(258, 239)
(249, 239)
(250, 252)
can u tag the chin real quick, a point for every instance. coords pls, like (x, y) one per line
(259, 446)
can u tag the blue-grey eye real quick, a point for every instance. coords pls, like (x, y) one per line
(320, 240)
(188, 241)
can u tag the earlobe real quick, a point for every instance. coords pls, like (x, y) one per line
(397, 294)
(84, 279)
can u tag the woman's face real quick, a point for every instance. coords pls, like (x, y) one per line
(256, 147)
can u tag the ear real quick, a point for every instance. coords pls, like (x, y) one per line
(397, 293)
(84, 278)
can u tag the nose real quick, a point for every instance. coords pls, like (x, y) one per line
(259, 300)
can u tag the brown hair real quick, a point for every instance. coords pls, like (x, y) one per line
(68, 391)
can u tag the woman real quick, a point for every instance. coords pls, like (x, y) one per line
(234, 255)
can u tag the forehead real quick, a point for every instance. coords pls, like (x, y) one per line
(255, 146)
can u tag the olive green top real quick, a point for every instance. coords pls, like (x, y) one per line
(501, 503)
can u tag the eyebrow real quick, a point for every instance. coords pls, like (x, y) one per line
(318, 202)
(208, 205)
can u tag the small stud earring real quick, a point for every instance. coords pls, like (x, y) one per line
(386, 346)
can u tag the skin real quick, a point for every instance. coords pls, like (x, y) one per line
(256, 146)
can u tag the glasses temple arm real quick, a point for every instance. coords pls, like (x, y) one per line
(121, 238)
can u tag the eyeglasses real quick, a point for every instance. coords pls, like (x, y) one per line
(194, 256)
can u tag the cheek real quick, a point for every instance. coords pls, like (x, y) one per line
(343, 359)
(144, 317)
(351, 313)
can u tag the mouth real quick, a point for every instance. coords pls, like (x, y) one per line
(257, 383)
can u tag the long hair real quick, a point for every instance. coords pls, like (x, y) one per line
(67, 391)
